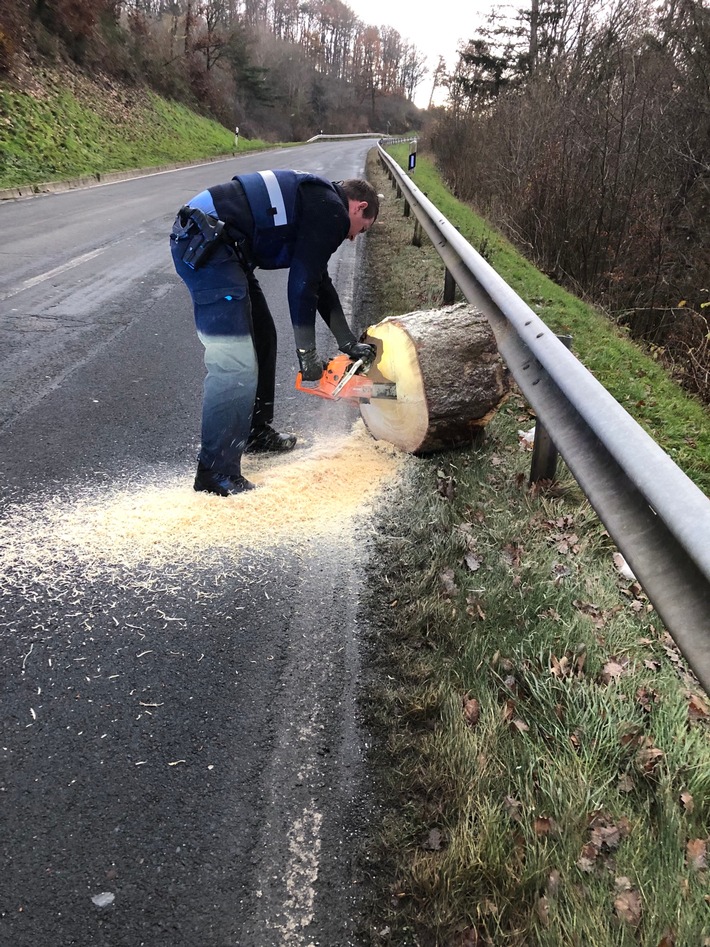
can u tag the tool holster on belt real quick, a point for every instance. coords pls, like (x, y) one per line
(203, 233)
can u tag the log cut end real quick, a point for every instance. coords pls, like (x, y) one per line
(449, 376)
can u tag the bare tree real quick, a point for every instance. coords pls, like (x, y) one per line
(437, 79)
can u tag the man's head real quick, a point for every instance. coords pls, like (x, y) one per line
(363, 205)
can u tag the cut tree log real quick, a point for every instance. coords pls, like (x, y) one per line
(449, 375)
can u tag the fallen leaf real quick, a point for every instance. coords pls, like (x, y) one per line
(631, 734)
(568, 665)
(626, 783)
(696, 854)
(567, 543)
(474, 608)
(504, 665)
(623, 568)
(545, 826)
(646, 698)
(606, 836)
(433, 841)
(607, 833)
(510, 683)
(627, 902)
(587, 859)
(686, 801)
(649, 756)
(553, 883)
(512, 807)
(469, 938)
(560, 572)
(697, 709)
(593, 611)
(448, 583)
(471, 710)
(614, 669)
(473, 561)
(511, 554)
(671, 649)
(542, 909)
(527, 439)
(445, 486)
(560, 667)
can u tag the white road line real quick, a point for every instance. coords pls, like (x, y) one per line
(29, 283)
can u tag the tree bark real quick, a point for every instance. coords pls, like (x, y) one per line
(449, 376)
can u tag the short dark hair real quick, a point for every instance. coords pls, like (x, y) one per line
(356, 189)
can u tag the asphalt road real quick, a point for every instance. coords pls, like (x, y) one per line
(181, 761)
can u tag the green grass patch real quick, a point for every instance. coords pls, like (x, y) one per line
(67, 133)
(545, 750)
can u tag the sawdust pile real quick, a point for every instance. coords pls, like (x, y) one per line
(310, 493)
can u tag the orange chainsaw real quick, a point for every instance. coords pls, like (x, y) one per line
(346, 379)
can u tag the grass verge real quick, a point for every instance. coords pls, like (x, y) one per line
(542, 750)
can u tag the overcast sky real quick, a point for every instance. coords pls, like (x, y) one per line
(434, 28)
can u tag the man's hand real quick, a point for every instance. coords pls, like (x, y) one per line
(360, 350)
(311, 363)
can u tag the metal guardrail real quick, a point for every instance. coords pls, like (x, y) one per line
(345, 137)
(658, 518)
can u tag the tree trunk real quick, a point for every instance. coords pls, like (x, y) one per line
(449, 377)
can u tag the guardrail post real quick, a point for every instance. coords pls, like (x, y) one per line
(406, 208)
(544, 458)
(449, 288)
(417, 238)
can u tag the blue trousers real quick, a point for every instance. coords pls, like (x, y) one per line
(235, 326)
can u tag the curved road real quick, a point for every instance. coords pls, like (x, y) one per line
(180, 757)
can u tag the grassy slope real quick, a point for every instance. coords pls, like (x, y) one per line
(544, 753)
(71, 127)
